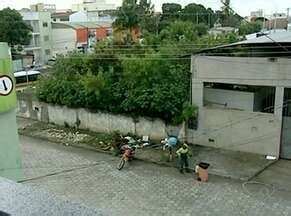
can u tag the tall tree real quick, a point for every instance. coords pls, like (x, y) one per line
(13, 29)
(171, 9)
(127, 18)
(195, 13)
(183, 31)
(148, 21)
(249, 28)
(170, 13)
(227, 16)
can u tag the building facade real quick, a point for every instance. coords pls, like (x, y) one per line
(244, 101)
(43, 7)
(258, 13)
(67, 37)
(41, 42)
(93, 5)
(61, 16)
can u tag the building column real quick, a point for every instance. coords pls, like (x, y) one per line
(278, 111)
(197, 93)
(279, 103)
(197, 99)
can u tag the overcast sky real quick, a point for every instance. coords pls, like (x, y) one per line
(243, 7)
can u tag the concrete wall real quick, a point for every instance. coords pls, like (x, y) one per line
(242, 70)
(229, 99)
(238, 130)
(220, 128)
(63, 40)
(102, 122)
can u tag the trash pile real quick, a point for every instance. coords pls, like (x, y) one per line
(68, 137)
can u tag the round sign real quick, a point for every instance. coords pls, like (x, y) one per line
(6, 85)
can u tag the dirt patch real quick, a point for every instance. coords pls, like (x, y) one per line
(68, 136)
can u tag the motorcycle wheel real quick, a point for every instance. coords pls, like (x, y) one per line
(121, 164)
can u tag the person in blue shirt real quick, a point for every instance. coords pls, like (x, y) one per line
(170, 144)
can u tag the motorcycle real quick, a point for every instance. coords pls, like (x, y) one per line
(127, 155)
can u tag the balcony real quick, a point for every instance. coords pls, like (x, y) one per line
(30, 48)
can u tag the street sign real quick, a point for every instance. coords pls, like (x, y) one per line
(6, 85)
(7, 82)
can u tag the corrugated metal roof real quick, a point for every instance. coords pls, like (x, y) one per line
(273, 37)
(82, 25)
(61, 14)
(278, 36)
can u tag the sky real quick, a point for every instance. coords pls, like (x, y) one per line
(243, 7)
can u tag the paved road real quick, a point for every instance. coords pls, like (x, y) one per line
(141, 189)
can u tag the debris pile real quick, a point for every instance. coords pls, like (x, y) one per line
(74, 137)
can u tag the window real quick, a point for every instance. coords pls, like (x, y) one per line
(46, 38)
(54, 19)
(193, 123)
(47, 52)
(109, 32)
(65, 19)
(45, 24)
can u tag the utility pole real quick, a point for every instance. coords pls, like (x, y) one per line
(197, 18)
(264, 22)
(226, 6)
(87, 32)
(288, 21)
(157, 24)
(10, 153)
(275, 22)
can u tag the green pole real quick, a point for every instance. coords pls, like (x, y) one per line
(10, 154)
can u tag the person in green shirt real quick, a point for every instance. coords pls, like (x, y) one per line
(184, 153)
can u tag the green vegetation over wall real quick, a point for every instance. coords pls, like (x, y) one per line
(145, 77)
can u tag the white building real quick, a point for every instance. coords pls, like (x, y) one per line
(258, 13)
(61, 16)
(64, 39)
(93, 5)
(43, 7)
(90, 16)
(67, 37)
(244, 96)
(40, 45)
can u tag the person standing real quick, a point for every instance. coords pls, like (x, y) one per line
(184, 153)
(170, 144)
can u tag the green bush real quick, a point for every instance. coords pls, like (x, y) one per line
(135, 79)
(153, 88)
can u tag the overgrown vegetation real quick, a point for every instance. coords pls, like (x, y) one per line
(249, 28)
(148, 77)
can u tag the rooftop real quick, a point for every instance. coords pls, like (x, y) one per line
(61, 14)
(280, 36)
(275, 43)
(82, 25)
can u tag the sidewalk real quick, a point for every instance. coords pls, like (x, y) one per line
(230, 164)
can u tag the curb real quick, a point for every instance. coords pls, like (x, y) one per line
(88, 147)
(163, 164)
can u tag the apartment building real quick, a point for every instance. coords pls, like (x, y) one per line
(40, 45)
